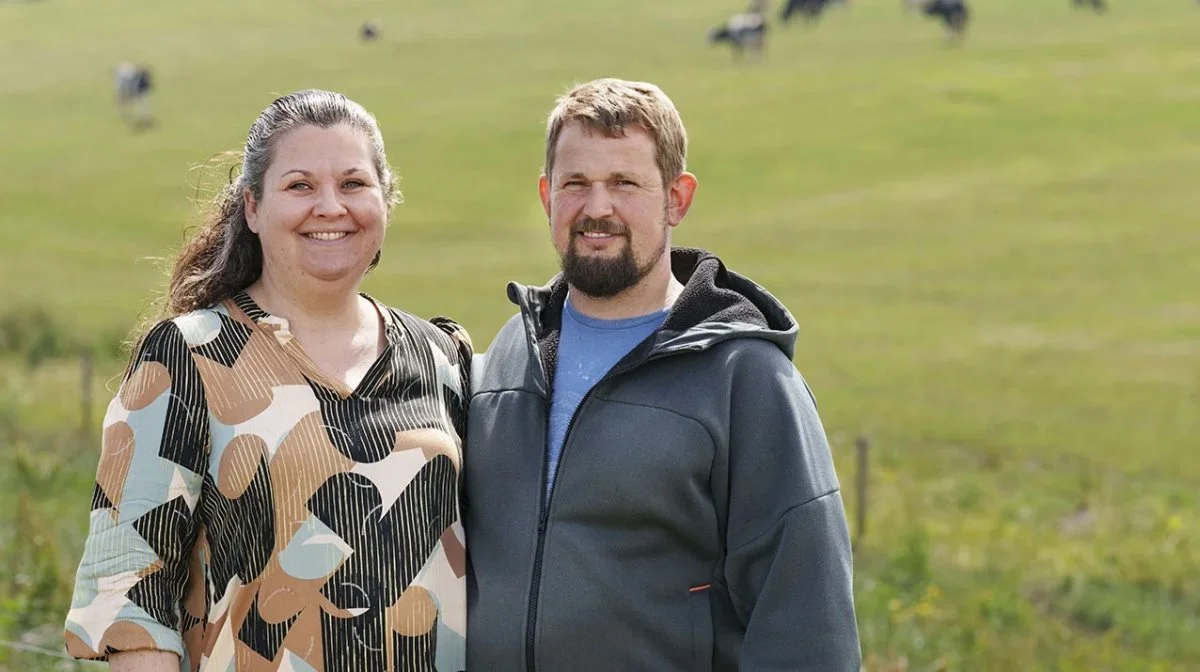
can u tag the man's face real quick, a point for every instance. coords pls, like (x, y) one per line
(609, 212)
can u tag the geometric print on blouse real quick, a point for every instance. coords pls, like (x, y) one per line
(252, 514)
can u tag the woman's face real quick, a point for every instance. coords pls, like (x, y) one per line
(322, 214)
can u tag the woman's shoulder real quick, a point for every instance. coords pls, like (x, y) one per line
(182, 332)
(457, 333)
(436, 328)
(202, 325)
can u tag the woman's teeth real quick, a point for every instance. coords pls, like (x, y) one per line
(326, 235)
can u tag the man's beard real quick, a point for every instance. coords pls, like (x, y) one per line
(603, 277)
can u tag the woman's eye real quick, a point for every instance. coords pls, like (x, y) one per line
(298, 186)
(354, 184)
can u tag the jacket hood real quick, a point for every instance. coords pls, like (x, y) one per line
(716, 305)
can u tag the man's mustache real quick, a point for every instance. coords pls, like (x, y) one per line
(605, 226)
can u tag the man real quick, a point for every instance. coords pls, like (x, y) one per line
(648, 485)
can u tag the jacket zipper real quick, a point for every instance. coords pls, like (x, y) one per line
(543, 517)
(544, 512)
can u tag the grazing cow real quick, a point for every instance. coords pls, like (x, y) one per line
(133, 86)
(810, 10)
(1098, 6)
(953, 14)
(743, 32)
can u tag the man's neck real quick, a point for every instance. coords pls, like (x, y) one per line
(657, 291)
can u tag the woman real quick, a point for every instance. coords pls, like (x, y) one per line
(278, 486)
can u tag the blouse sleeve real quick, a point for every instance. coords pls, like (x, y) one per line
(463, 353)
(143, 522)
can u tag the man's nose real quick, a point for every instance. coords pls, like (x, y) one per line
(599, 202)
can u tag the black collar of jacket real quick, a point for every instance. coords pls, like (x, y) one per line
(712, 295)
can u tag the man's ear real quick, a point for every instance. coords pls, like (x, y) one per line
(680, 193)
(544, 193)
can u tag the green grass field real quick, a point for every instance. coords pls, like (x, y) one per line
(991, 249)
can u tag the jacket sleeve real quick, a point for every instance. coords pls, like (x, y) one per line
(143, 524)
(788, 563)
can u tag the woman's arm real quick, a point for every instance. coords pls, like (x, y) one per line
(143, 661)
(134, 570)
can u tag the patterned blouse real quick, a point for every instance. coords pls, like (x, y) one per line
(253, 514)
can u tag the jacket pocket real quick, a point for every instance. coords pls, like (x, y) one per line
(702, 634)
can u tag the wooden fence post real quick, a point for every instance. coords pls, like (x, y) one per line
(85, 394)
(864, 446)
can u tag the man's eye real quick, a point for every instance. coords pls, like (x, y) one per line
(625, 183)
(574, 184)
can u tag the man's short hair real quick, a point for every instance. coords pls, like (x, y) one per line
(608, 106)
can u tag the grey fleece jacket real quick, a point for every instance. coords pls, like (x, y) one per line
(695, 522)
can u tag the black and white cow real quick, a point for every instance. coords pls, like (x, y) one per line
(1098, 6)
(744, 33)
(134, 84)
(953, 14)
(809, 10)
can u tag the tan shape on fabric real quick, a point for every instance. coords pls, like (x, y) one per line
(304, 639)
(150, 569)
(414, 614)
(306, 458)
(126, 636)
(282, 595)
(334, 610)
(213, 633)
(115, 458)
(247, 659)
(239, 606)
(147, 383)
(76, 648)
(431, 442)
(262, 351)
(239, 464)
(230, 399)
(456, 553)
(278, 327)
(234, 619)
(270, 363)
(193, 643)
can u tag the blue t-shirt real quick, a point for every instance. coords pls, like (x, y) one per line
(587, 349)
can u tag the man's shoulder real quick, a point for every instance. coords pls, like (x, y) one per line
(512, 332)
(505, 363)
(751, 353)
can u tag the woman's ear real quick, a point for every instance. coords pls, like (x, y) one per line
(250, 205)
